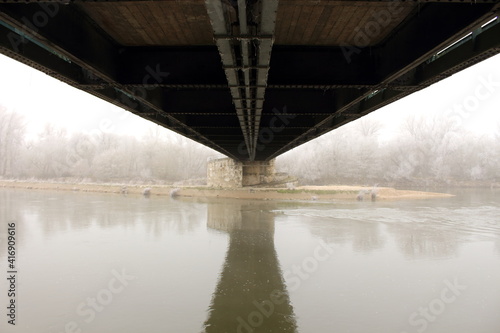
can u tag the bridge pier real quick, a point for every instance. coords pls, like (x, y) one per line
(226, 173)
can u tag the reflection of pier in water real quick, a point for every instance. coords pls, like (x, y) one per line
(251, 295)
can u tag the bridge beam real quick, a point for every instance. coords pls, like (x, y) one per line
(416, 71)
(64, 47)
(243, 33)
(146, 57)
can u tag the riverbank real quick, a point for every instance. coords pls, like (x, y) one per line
(322, 193)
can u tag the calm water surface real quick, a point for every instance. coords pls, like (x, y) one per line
(109, 263)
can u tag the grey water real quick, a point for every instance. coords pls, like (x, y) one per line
(111, 263)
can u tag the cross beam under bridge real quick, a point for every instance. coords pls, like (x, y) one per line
(251, 79)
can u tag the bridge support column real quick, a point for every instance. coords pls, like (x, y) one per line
(226, 172)
(258, 173)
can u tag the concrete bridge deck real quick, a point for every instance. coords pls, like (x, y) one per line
(251, 79)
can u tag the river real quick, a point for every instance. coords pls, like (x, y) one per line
(104, 263)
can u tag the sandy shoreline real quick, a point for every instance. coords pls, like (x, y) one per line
(322, 193)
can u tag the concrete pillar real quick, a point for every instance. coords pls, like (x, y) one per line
(258, 172)
(224, 172)
(227, 173)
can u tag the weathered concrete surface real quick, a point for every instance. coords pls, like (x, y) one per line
(225, 173)
(228, 173)
(258, 173)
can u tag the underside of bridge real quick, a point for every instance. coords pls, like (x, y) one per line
(251, 79)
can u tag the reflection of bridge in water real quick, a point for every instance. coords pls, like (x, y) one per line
(251, 295)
